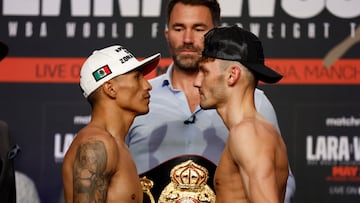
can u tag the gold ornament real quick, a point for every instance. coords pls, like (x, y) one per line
(188, 185)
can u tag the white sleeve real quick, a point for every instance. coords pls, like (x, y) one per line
(265, 108)
(26, 191)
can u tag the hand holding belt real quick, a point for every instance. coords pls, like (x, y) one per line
(182, 179)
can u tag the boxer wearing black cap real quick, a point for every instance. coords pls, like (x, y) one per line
(254, 163)
(236, 44)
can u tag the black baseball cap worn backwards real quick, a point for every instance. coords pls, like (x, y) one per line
(236, 44)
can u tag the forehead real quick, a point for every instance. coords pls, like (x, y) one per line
(190, 14)
(129, 74)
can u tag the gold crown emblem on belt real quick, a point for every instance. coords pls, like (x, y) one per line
(188, 184)
(189, 175)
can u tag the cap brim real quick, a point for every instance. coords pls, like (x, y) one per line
(149, 63)
(264, 73)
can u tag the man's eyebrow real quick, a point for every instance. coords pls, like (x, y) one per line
(177, 24)
(194, 25)
(200, 25)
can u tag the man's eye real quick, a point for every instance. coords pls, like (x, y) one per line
(178, 29)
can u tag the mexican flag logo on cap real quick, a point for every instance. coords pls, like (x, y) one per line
(101, 72)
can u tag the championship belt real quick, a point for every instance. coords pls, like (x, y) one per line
(182, 179)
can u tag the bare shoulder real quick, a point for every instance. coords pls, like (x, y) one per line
(91, 134)
(251, 136)
(88, 165)
(92, 141)
(246, 129)
(254, 128)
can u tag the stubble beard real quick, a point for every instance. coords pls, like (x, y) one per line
(204, 104)
(187, 63)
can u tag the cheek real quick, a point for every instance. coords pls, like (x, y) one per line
(125, 97)
(209, 81)
(199, 40)
(128, 92)
(215, 87)
(219, 91)
(132, 99)
(174, 39)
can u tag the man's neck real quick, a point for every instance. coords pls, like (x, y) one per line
(114, 120)
(184, 81)
(239, 106)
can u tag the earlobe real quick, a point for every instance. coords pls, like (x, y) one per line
(166, 33)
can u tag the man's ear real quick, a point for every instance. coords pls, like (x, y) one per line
(166, 33)
(109, 89)
(234, 74)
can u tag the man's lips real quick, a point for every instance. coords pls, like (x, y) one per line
(188, 52)
(201, 93)
(147, 96)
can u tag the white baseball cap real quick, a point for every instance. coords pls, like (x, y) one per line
(107, 63)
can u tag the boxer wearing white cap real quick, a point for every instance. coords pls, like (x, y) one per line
(98, 166)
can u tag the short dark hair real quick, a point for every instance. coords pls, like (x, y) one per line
(212, 5)
(93, 98)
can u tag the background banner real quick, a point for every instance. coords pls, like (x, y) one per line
(313, 43)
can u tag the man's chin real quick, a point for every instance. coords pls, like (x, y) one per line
(189, 63)
(205, 107)
(142, 112)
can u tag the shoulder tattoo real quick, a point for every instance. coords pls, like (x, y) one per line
(90, 181)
